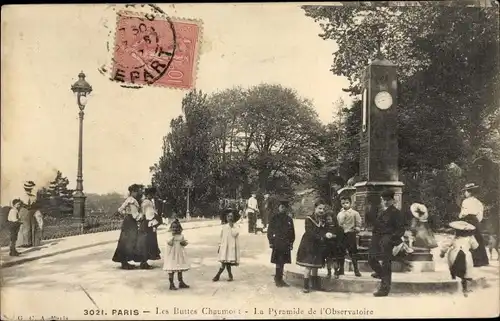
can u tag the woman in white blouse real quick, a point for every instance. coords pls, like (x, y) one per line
(126, 250)
(472, 212)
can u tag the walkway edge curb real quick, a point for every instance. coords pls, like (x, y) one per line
(34, 258)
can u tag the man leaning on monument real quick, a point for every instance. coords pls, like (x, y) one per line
(388, 230)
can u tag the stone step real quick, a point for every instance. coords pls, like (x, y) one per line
(397, 267)
(401, 285)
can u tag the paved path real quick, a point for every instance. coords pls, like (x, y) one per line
(71, 243)
(80, 283)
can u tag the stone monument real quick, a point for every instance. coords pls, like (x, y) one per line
(379, 152)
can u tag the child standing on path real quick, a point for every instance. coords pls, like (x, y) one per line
(350, 222)
(281, 235)
(176, 258)
(229, 245)
(458, 252)
(333, 248)
(310, 254)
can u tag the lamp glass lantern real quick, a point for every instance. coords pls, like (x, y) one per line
(81, 88)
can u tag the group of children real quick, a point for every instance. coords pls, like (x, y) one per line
(326, 241)
(328, 237)
(176, 260)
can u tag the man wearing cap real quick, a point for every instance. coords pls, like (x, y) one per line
(472, 212)
(388, 230)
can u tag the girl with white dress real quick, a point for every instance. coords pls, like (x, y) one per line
(229, 244)
(458, 252)
(176, 259)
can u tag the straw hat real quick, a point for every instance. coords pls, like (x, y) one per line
(419, 211)
(470, 186)
(462, 225)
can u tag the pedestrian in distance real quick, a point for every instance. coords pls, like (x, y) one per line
(350, 222)
(14, 225)
(457, 251)
(252, 212)
(229, 243)
(176, 259)
(281, 235)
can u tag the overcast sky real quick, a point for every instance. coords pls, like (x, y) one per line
(45, 47)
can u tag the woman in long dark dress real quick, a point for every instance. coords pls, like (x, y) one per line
(472, 213)
(152, 221)
(310, 254)
(126, 249)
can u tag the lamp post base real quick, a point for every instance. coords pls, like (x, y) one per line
(79, 206)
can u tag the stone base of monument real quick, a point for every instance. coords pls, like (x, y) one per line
(402, 283)
(421, 260)
(397, 266)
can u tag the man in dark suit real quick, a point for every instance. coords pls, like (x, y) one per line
(388, 229)
(281, 235)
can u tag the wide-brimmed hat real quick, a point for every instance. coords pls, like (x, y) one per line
(462, 226)
(419, 211)
(470, 186)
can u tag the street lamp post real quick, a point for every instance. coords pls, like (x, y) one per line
(189, 186)
(81, 89)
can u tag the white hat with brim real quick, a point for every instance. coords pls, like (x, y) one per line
(469, 186)
(462, 225)
(419, 211)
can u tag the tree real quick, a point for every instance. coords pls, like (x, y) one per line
(448, 72)
(265, 137)
(106, 204)
(285, 131)
(55, 199)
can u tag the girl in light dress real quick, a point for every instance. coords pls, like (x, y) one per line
(458, 252)
(229, 245)
(176, 259)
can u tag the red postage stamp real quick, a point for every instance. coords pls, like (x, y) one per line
(155, 51)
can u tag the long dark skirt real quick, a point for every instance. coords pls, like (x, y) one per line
(126, 250)
(152, 243)
(479, 255)
(310, 252)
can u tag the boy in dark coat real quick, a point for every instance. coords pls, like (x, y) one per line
(281, 235)
(388, 229)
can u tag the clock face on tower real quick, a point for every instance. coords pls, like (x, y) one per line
(383, 100)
